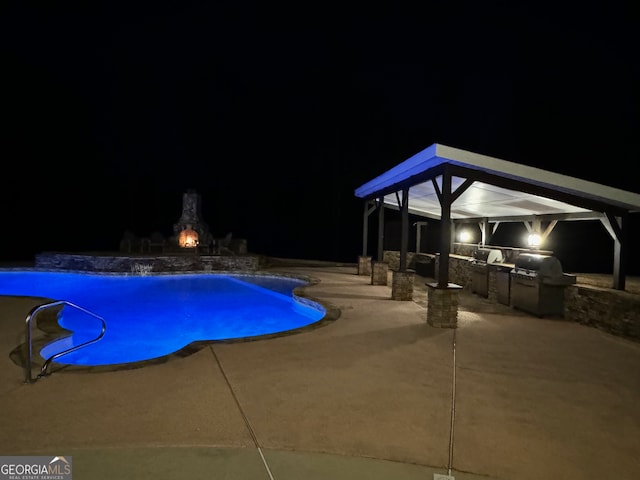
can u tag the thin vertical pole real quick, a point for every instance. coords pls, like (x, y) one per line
(365, 229)
(404, 234)
(380, 229)
(445, 237)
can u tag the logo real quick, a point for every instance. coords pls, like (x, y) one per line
(35, 468)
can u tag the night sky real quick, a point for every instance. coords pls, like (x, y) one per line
(275, 114)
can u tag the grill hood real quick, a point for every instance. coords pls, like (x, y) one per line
(543, 265)
(488, 255)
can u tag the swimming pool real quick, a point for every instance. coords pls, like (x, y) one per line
(151, 316)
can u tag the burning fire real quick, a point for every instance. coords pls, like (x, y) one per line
(188, 238)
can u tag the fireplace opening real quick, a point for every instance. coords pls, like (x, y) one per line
(188, 238)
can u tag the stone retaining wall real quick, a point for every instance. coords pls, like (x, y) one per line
(611, 310)
(160, 263)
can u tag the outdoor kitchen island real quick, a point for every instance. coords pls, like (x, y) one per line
(529, 280)
(587, 297)
(534, 283)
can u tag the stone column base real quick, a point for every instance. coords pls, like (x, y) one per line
(379, 272)
(442, 305)
(402, 285)
(364, 265)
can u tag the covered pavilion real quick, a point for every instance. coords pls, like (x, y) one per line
(456, 186)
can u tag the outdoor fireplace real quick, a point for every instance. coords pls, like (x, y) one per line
(190, 230)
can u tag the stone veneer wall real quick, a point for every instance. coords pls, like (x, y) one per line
(162, 263)
(611, 310)
(392, 257)
(459, 266)
(459, 270)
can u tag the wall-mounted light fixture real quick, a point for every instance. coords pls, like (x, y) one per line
(534, 240)
(465, 236)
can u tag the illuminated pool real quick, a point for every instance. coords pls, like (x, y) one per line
(150, 316)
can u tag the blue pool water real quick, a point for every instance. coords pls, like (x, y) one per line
(150, 316)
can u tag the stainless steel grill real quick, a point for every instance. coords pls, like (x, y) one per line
(538, 284)
(482, 258)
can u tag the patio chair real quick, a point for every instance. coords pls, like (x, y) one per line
(224, 245)
(129, 242)
(154, 241)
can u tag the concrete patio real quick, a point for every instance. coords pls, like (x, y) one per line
(366, 396)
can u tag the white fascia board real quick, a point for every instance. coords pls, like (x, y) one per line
(537, 176)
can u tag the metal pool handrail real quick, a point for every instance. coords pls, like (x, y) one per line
(34, 311)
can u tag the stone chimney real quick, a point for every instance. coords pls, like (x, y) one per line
(191, 218)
